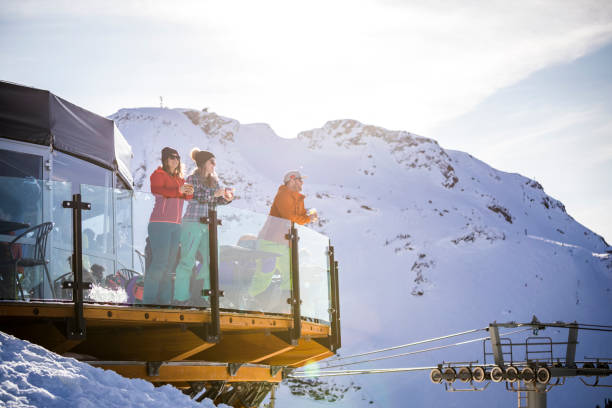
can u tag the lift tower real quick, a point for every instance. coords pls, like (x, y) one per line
(533, 376)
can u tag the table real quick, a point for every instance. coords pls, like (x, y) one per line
(7, 227)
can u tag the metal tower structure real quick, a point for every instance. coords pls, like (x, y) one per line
(532, 376)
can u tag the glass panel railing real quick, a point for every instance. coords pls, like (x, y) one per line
(97, 234)
(314, 274)
(115, 237)
(32, 266)
(60, 240)
(130, 260)
(254, 261)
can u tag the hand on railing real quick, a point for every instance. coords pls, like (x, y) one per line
(228, 193)
(312, 214)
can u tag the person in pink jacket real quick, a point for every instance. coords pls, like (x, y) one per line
(170, 190)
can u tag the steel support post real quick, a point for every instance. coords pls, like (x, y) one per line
(337, 296)
(536, 395)
(295, 300)
(572, 340)
(76, 329)
(334, 306)
(498, 355)
(214, 332)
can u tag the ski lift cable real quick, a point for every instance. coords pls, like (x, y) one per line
(422, 350)
(579, 326)
(340, 358)
(596, 325)
(356, 372)
(409, 344)
(331, 373)
(595, 329)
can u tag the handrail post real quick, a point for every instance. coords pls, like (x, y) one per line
(76, 328)
(335, 304)
(337, 308)
(214, 328)
(295, 301)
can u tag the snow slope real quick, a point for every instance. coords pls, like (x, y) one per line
(31, 376)
(429, 241)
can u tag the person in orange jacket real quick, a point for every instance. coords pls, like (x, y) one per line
(288, 206)
(289, 201)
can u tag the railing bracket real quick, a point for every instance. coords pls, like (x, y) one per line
(232, 368)
(153, 368)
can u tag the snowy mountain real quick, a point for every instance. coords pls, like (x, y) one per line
(430, 242)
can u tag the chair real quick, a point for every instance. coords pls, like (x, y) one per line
(39, 234)
(128, 273)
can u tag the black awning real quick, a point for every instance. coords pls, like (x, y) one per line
(38, 116)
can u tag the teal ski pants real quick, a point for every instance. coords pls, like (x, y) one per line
(194, 239)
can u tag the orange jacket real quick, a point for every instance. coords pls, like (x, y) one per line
(289, 204)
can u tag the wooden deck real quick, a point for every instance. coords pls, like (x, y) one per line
(126, 339)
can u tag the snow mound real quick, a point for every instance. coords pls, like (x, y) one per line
(31, 376)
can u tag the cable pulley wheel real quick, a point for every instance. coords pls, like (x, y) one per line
(435, 376)
(497, 374)
(465, 374)
(478, 374)
(543, 375)
(512, 374)
(528, 375)
(450, 375)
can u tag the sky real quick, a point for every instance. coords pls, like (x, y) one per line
(490, 78)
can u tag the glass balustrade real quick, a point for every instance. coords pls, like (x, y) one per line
(314, 273)
(123, 257)
(34, 207)
(254, 261)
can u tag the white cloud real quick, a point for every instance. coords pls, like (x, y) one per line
(403, 65)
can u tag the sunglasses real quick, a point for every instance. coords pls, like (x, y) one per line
(175, 157)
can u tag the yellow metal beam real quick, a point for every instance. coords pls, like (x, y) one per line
(306, 350)
(116, 315)
(244, 347)
(192, 352)
(169, 374)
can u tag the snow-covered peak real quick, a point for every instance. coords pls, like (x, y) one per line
(406, 149)
(214, 126)
(350, 132)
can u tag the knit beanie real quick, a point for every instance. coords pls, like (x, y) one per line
(167, 152)
(201, 156)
